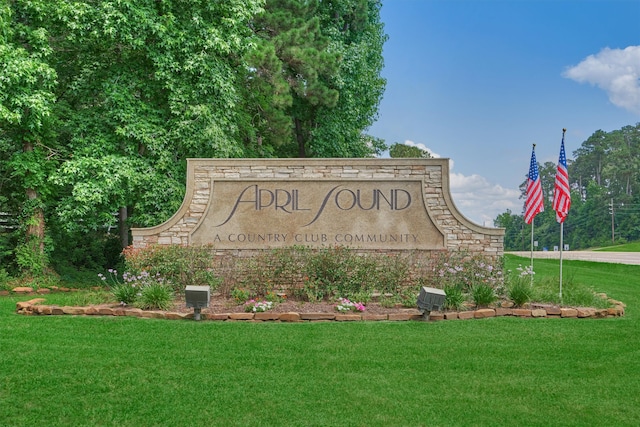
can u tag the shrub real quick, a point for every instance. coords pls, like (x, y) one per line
(392, 272)
(454, 299)
(125, 293)
(334, 270)
(362, 296)
(259, 275)
(405, 297)
(483, 295)
(520, 293)
(408, 297)
(313, 290)
(270, 271)
(240, 295)
(4, 279)
(32, 260)
(144, 290)
(180, 265)
(465, 271)
(275, 297)
(519, 289)
(388, 301)
(582, 296)
(85, 250)
(573, 294)
(314, 274)
(48, 280)
(155, 296)
(321, 274)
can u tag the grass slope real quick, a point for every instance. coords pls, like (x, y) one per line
(88, 371)
(627, 247)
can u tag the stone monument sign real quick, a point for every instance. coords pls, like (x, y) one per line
(368, 204)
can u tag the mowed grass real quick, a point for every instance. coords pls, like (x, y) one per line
(92, 371)
(627, 247)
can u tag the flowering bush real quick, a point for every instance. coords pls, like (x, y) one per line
(313, 290)
(257, 306)
(145, 290)
(181, 265)
(464, 272)
(345, 305)
(525, 272)
(520, 290)
(315, 275)
(125, 293)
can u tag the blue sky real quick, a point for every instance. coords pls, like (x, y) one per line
(480, 81)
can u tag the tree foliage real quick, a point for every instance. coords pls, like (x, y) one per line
(102, 102)
(27, 85)
(398, 150)
(313, 81)
(605, 196)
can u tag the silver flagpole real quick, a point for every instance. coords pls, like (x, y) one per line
(533, 221)
(565, 214)
(561, 249)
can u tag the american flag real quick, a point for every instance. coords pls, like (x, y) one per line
(534, 202)
(561, 191)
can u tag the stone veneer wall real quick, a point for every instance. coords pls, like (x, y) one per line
(460, 233)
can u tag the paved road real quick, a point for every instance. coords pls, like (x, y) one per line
(612, 257)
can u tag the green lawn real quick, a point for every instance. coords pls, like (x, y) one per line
(627, 247)
(90, 371)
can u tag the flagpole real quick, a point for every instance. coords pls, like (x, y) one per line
(534, 203)
(561, 248)
(561, 212)
(531, 275)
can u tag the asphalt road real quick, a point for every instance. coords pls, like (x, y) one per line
(611, 257)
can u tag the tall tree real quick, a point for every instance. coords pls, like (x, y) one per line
(623, 168)
(357, 34)
(101, 102)
(143, 86)
(605, 177)
(313, 81)
(591, 157)
(27, 83)
(515, 238)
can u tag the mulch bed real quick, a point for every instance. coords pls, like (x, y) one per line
(228, 305)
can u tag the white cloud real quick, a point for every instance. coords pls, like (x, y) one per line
(481, 201)
(475, 197)
(616, 71)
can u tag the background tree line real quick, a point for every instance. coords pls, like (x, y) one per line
(102, 102)
(605, 196)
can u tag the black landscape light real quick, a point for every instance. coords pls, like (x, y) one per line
(430, 299)
(197, 297)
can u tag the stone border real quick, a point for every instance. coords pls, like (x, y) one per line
(34, 307)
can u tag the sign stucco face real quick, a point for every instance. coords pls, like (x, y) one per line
(367, 214)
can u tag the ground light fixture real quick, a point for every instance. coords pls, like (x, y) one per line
(430, 299)
(197, 297)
